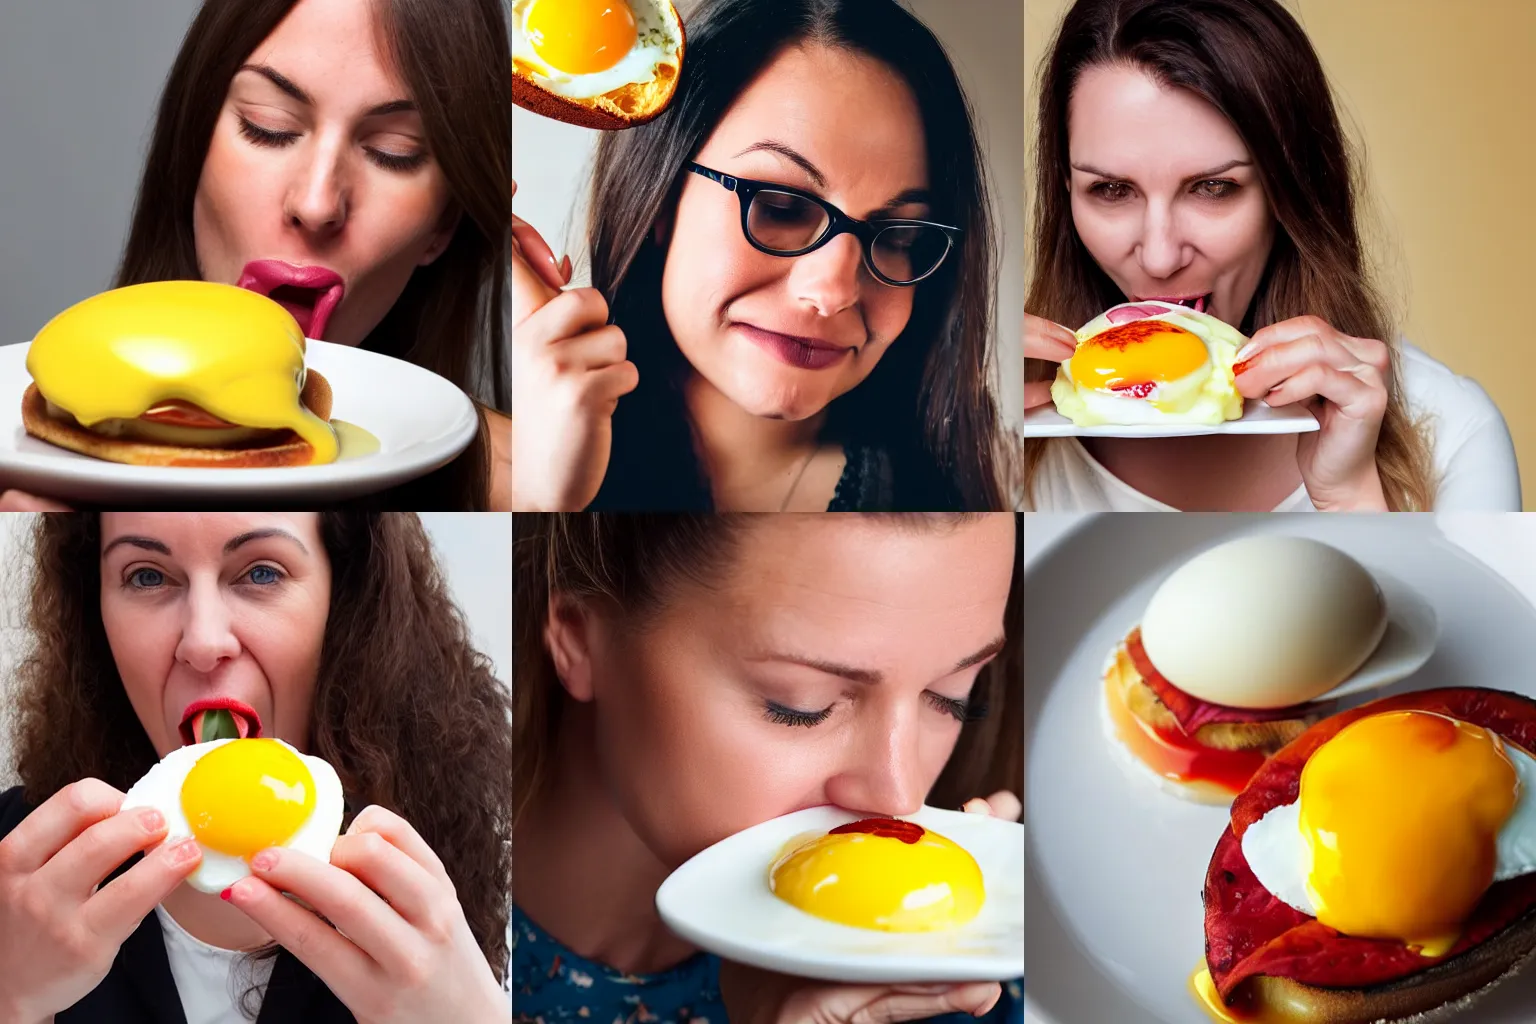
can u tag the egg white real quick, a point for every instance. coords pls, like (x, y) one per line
(1205, 396)
(1277, 851)
(160, 788)
(657, 39)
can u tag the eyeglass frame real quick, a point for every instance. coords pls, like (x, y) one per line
(838, 222)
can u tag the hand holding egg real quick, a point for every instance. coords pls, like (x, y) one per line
(59, 933)
(1306, 359)
(568, 372)
(21, 501)
(1050, 342)
(400, 951)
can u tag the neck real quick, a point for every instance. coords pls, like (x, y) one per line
(582, 872)
(751, 461)
(1206, 473)
(210, 919)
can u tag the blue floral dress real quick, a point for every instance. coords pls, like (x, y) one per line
(552, 985)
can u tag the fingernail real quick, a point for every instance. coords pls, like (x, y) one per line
(184, 851)
(1238, 369)
(1246, 351)
(565, 267)
(225, 894)
(152, 820)
(265, 860)
(973, 806)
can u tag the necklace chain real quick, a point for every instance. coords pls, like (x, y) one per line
(798, 477)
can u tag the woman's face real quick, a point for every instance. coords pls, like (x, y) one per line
(844, 127)
(825, 666)
(318, 186)
(203, 606)
(1164, 192)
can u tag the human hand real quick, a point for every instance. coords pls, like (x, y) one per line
(21, 501)
(1051, 342)
(1343, 380)
(397, 948)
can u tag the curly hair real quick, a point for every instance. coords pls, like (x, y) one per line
(405, 708)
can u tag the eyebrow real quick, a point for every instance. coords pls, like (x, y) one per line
(1222, 169)
(873, 676)
(911, 195)
(287, 85)
(150, 544)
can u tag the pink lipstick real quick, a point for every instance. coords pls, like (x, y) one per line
(310, 294)
(806, 353)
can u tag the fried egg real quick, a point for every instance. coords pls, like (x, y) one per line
(237, 797)
(1150, 363)
(882, 874)
(1403, 821)
(581, 49)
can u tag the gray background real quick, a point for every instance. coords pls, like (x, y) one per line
(474, 549)
(551, 161)
(80, 79)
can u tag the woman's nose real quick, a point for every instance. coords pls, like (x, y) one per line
(1161, 250)
(207, 635)
(317, 199)
(883, 776)
(828, 278)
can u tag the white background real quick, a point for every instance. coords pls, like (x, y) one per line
(474, 550)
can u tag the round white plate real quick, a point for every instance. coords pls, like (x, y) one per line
(1115, 868)
(421, 420)
(720, 901)
(1258, 418)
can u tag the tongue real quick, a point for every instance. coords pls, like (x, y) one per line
(218, 724)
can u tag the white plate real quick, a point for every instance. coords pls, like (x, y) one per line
(1114, 868)
(421, 420)
(720, 901)
(1258, 418)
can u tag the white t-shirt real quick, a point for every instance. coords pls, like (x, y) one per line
(210, 980)
(1473, 454)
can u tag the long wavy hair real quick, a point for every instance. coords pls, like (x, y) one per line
(631, 562)
(929, 402)
(1251, 61)
(405, 708)
(452, 317)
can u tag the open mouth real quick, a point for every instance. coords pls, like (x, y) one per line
(194, 720)
(1198, 303)
(309, 294)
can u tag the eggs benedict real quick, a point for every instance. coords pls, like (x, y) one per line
(1150, 362)
(1380, 866)
(1237, 655)
(179, 373)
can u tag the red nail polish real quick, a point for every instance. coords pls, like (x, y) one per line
(225, 894)
(1240, 367)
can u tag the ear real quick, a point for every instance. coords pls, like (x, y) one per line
(568, 636)
(443, 236)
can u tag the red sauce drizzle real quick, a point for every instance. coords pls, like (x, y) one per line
(888, 827)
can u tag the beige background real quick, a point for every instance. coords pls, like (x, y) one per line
(1443, 94)
(551, 161)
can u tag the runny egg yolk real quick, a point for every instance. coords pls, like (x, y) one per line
(581, 36)
(1401, 814)
(881, 874)
(247, 795)
(1134, 358)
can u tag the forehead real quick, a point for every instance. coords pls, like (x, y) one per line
(188, 532)
(1123, 121)
(333, 49)
(851, 115)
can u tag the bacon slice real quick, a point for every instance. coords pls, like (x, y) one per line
(1249, 932)
(177, 413)
(1192, 712)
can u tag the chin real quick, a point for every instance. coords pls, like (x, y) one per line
(789, 404)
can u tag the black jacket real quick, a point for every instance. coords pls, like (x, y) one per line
(139, 988)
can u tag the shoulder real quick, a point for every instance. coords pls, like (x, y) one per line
(499, 427)
(13, 808)
(1472, 450)
(1436, 389)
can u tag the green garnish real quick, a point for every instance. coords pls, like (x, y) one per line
(219, 724)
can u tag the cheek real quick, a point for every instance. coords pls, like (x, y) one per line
(1101, 235)
(231, 197)
(887, 310)
(286, 639)
(709, 262)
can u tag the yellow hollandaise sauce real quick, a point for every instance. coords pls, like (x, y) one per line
(231, 352)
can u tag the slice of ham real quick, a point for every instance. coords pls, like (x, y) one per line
(177, 413)
(1249, 932)
(1192, 712)
(1125, 314)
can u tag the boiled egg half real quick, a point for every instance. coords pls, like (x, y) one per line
(882, 874)
(1150, 363)
(237, 797)
(1402, 822)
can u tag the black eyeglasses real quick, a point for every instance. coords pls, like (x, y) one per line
(785, 221)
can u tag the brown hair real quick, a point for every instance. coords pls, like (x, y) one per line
(405, 708)
(451, 318)
(633, 561)
(928, 404)
(1251, 61)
